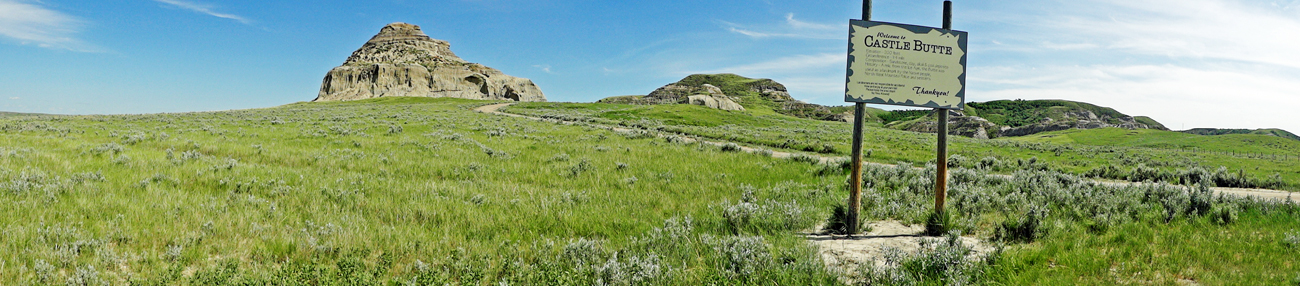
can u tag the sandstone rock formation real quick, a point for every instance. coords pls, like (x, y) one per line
(1081, 119)
(402, 61)
(707, 95)
(977, 127)
(958, 124)
(728, 89)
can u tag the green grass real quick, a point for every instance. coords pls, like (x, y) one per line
(1258, 155)
(1073, 151)
(1016, 113)
(309, 187)
(1265, 131)
(1155, 253)
(424, 191)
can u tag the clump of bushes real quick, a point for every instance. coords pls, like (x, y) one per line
(938, 223)
(838, 222)
(730, 147)
(1291, 239)
(804, 158)
(1221, 177)
(752, 216)
(1024, 228)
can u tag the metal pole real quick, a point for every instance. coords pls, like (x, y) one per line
(941, 163)
(855, 176)
(947, 14)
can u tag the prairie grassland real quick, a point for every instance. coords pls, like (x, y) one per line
(418, 191)
(1253, 161)
(396, 189)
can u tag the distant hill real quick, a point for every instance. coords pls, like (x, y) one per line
(8, 114)
(1001, 118)
(1266, 131)
(979, 119)
(1020, 113)
(758, 94)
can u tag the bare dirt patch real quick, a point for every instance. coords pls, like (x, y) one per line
(846, 254)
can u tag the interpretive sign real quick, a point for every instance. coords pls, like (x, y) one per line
(908, 65)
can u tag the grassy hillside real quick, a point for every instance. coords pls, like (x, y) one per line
(9, 114)
(406, 189)
(756, 94)
(1234, 143)
(419, 191)
(1165, 151)
(1268, 131)
(1016, 113)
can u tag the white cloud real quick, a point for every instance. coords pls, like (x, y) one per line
(1186, 63)
(801, 25)
(205, 9)
(827, 90)
(1070, 46)
(1191, 29)
(31, 23)
(15, 98)
(544, 68)
(792, 28)
(814, 78)
(1247, 96)
(787, 65)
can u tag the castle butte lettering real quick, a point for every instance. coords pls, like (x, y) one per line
(884, 41)
(922, 90)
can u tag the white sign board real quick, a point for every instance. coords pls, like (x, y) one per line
(906, 65)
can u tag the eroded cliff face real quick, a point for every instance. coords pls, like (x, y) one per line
(402, 61)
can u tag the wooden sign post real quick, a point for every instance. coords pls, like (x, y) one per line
(941, 163)
(908, 65)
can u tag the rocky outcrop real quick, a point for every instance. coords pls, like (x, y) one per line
(706, 95)
(958, 124)
(1080, 119)
(402, 61)
(981, 128)
(714, 101)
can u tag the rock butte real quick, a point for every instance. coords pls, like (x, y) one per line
(402, 61)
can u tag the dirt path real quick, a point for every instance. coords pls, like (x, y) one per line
(1261, 193)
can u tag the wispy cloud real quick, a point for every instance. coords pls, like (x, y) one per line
(31, 23)
(1174, 60)
(801, 25)
(792, 28)
(787, 65)
(205, 9)
(544, 68)
(815, 77)
(1222, 96)
(1193, 29)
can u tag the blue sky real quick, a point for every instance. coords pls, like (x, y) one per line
(1187, 63)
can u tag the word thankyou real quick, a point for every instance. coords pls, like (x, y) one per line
(922, 90)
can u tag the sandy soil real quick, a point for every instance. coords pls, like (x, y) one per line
(847, 253)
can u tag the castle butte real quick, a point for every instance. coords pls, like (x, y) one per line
(402, 61)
